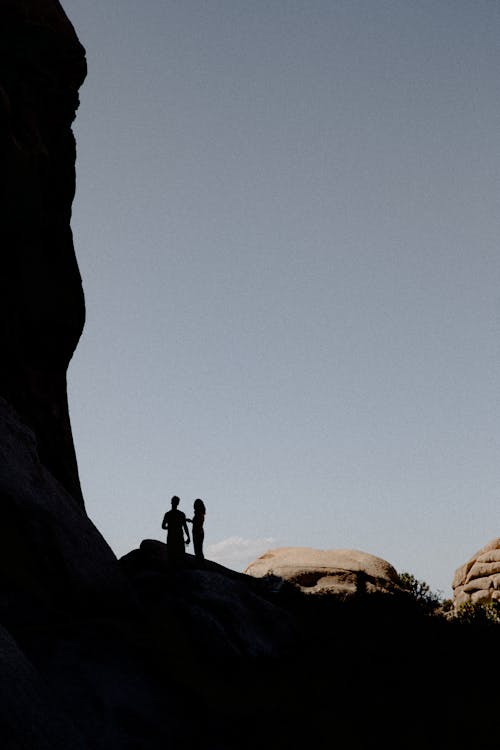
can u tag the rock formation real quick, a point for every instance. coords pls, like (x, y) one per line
(337, 571)
(478, 580)
(226, 612)
(42, 65)
(98, 653)
(51, 555)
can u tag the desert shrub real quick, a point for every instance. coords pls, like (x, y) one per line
(478, 613)
(421, 593)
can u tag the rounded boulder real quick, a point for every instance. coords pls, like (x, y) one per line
(478, 580)
(337, 571)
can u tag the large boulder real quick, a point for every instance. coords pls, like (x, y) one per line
(478, 580)
(42, 311)
(338, 571)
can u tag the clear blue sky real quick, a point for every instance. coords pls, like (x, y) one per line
(287, 223)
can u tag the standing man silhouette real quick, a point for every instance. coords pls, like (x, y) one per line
(174, 521)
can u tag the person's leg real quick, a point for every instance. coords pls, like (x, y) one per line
(198, 545)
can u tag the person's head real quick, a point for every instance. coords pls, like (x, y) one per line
(175, 501)
(199, 505)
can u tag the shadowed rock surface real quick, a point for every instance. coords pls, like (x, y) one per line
(226, 613)
(51, 554)
(42, 65)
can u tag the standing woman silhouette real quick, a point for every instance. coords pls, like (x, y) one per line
(198, 532)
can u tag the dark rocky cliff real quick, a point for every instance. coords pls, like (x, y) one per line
(42, 311)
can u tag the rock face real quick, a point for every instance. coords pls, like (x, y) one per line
(338, 571)
(51, 555)
(42, 65)
(478, 580)
(226, 613)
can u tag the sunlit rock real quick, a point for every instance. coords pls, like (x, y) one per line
(338, 571)
(478, 580)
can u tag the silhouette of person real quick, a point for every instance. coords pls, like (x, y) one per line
(198, 533)
(174, 521)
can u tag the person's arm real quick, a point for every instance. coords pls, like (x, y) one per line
(164, 522)
(185, 526)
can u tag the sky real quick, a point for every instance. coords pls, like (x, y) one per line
(286, 221)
